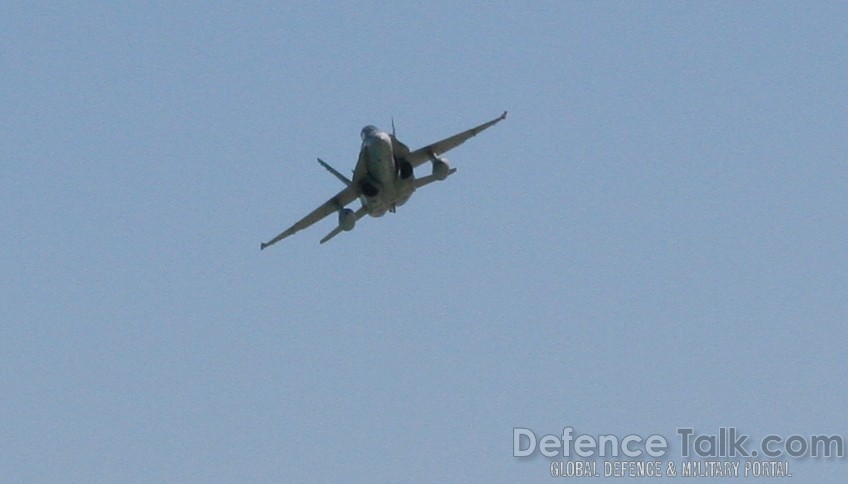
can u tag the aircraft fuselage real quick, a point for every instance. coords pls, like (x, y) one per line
(383, 174)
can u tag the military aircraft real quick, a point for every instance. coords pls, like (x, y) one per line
(383, 179)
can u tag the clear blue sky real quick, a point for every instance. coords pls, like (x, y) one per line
(654, 238)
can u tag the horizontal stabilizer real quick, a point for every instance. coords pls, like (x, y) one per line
(426, 180)
(336, 231)
(332, 234)
(338, 175)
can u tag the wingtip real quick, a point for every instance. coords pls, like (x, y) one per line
(503, 116)
(262, 246)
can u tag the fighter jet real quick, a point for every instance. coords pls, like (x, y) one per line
(384, 178)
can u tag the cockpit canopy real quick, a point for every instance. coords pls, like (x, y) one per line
(368, 131)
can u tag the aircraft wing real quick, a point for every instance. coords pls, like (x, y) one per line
(425, 154)
(334, 204)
